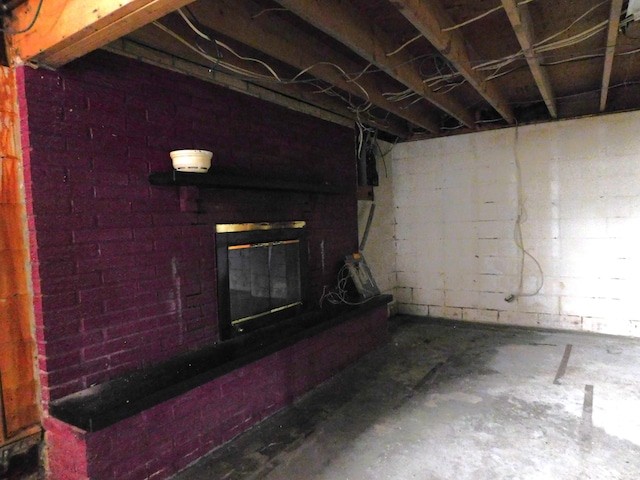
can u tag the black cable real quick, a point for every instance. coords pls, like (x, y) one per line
(29, 27)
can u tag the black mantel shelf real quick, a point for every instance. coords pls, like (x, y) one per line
(224, 180)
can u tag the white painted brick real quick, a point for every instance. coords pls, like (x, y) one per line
(584, 228)
(548, 304)
(413, 309)
(491, 284)
(445, 312)
(458, 262)
(498, 265)
(480, 315)
(622, 206)
(505, 194)
(625, 229)
(407, 278)
(581, 206)
(454, 230)
(502, 229)
(622, 138)
(634, 328)
(455, 147)
(606, 325)
(518, 318)
(415, 149)
(428, 296)
(496, 247)
(460, 298)
(404, 294)
(489, 210)
(456, 199)
(495, 301)
(455, 210)
(563, 322)
(430, 279)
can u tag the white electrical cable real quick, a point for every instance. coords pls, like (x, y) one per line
(274, 76)
(521, 217)
(340, 294)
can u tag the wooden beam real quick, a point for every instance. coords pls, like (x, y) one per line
(429, 17)
(67, 29)
(283, 41)
(294, 97)
(612, 37)
(341, 21)
(523, 27)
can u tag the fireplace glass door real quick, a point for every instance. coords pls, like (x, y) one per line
(263, 278)
(262, 274)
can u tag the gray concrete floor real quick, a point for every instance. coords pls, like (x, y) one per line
(449, 400)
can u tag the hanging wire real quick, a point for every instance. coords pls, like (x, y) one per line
(28, 27)
(521, 217)
(482, 15)
(408, 42)
(265, 10)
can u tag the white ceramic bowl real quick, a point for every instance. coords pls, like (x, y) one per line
(197, 161)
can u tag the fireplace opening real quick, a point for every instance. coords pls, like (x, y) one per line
(262, 274)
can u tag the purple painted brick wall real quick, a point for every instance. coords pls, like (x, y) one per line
(166, 438)
(122, 277)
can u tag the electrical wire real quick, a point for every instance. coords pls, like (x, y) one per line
(482, 15)
(581, 17)
(579, 58)
(546, 45)
(265, 10)
(573, 40)
(521, 217)
(248, 74)
(28, 27)
(408, 42)
(340, 294)
(471, 20)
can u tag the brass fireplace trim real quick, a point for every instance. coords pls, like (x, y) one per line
(247, 227)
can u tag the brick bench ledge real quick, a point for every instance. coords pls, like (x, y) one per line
(102, 405)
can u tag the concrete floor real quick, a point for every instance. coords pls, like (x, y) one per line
(448, 400)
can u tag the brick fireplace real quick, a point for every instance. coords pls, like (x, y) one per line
(125, 274)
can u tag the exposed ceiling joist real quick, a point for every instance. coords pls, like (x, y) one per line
(340, 21)
(430, 19)
(612, 36)
(295, 96)
(282, 41)
(63, 30)
(523, 27)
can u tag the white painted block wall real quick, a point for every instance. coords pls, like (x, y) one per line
(456, 202)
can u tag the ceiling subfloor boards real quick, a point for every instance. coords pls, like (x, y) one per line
(431, 20)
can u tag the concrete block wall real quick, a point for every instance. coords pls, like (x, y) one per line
(123, 273)
(456, 203)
